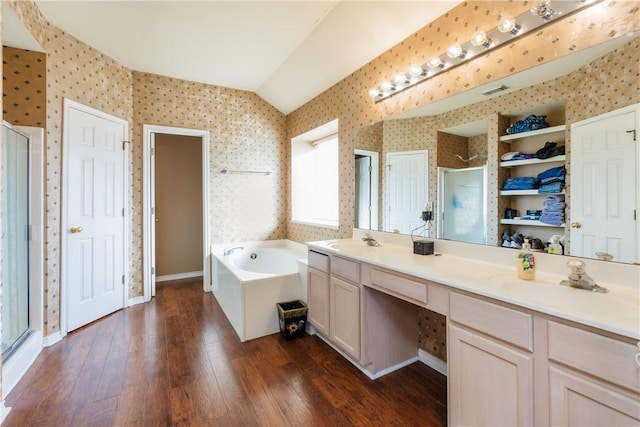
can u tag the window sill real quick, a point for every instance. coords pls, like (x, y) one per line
(324, 224)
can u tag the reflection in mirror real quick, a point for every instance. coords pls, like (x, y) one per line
(469, 131)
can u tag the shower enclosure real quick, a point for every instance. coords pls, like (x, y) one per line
(15, 239)
(463, 204)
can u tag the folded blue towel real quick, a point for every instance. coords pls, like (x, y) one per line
(558, 171)
(553, 187)
(521, 183)
(552, 220)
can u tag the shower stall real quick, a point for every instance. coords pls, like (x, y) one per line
(15, 239)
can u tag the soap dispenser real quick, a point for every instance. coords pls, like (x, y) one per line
(526, 262)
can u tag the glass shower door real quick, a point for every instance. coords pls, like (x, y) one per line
(15, 240)
(463, 204)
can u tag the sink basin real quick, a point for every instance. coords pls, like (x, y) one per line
(348, 245)
(551, 293)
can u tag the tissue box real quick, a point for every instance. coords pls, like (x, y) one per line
(423, 247)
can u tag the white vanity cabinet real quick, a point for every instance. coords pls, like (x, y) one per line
(318, 291)
(593, 379)
(344, 306)
(490, 364)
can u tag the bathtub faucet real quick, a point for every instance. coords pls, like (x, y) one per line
(230, 251)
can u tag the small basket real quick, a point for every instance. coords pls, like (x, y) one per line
(293, 319)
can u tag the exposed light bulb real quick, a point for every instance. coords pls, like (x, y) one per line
(435, 62)
(543, 10)
(416, 70)
(374, 92)
(480, 38)
(509, 25)
(386, 86)
(456, 51)
(400, 78)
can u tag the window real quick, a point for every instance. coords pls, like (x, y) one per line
(314, 176)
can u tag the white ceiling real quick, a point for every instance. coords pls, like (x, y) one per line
(287, 52)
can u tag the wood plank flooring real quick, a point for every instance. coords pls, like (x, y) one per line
(176, 361)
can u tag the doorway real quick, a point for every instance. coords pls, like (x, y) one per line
(366, 179)
(178, 207)
(169, 141)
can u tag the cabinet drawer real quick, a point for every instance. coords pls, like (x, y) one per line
(318, 261)
(501, 322)
(402, 286)
(594, 354)
(345, 269)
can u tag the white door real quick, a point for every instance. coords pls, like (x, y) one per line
(93, 257)
(603, 186)
(407, 191)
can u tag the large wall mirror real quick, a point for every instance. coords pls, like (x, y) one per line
(422, 150)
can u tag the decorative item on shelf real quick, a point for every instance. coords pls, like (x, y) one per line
(531, 122)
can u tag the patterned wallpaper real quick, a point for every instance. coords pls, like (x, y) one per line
(248, 133)
(349, 101)
(24, 87)
(77, 71)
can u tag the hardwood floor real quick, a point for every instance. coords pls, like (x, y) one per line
(177, 361)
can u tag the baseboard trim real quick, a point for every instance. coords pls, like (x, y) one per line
(4, 411)
(179, 276)
(432, 362)
(50, 340)
(19, 362)
(369, 374)
(136, 301)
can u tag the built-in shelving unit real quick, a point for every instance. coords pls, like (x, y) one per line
(531, 142)
(529, 223)
(526, 193)
(512, 163)
(544, 131)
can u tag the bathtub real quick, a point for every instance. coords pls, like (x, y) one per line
(250, 281)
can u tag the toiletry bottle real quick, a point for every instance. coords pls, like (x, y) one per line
(526, 262)
(554, 247)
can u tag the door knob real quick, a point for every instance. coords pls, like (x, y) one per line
(76, 229)
(576, 224)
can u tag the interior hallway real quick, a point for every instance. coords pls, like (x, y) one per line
(177, 361)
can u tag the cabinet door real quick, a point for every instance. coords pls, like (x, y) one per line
(490, 383)
(345, 316)
(577, 400)
(318, 300)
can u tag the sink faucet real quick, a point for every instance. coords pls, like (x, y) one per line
(230, 251)
(370, 241)
(580, 279)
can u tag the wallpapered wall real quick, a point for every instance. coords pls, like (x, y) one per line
(245, 207)
(349, 101)
(24, 87)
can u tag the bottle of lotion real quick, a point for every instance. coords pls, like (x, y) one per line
(526, 262)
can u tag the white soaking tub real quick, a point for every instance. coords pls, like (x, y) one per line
(249, 281)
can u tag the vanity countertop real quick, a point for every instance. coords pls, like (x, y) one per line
(617, 311)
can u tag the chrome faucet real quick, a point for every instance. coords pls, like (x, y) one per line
(230, 251)
(580, 279)
(370, 241)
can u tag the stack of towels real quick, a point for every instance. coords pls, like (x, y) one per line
(521, 183)
(551, 180)
(553, 210)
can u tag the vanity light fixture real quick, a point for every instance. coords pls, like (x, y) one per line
(435, 63)
(456, 51)
(543, 10)
(480, 38)
(509, 25)
(509, 29)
